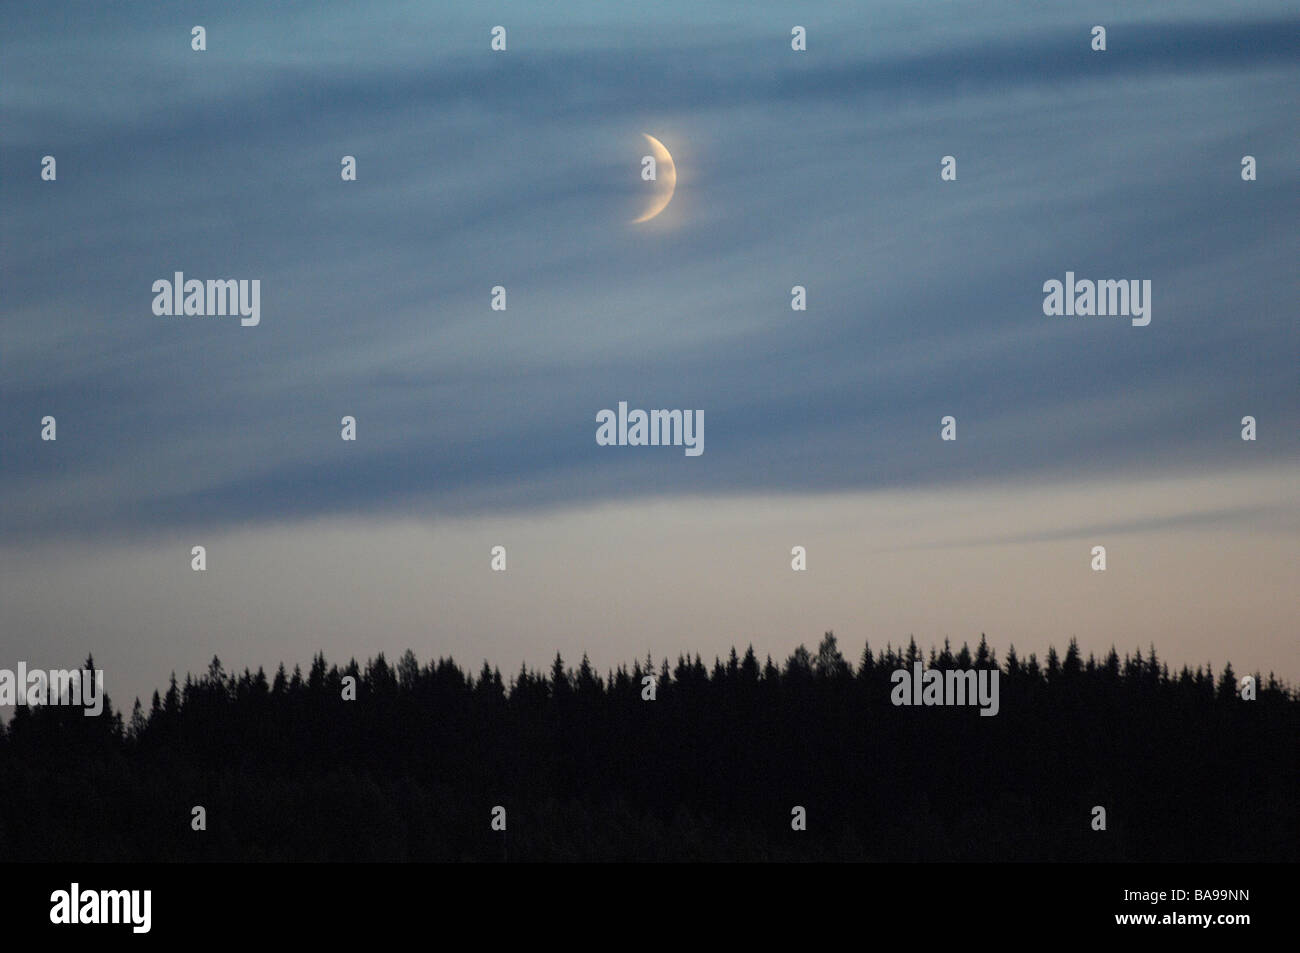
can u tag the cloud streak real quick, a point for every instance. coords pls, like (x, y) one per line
(822, 171)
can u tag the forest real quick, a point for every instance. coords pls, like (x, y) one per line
(688, 762)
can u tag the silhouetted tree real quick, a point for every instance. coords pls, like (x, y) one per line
(708, 770)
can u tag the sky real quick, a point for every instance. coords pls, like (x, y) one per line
(476, 427)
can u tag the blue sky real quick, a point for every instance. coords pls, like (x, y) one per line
(520, 169)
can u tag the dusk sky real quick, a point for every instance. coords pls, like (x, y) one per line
(477, 427)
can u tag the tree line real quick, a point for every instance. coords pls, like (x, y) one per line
(407, 761)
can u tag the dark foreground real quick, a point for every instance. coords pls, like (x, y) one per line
(428, 764)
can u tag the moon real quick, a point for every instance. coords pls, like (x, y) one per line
(665, 175)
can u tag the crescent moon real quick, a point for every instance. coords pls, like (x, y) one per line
(665, 172)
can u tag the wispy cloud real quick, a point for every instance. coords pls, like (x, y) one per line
(822, 171)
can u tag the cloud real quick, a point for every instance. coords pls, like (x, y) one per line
(823, 171)
(1190, 568)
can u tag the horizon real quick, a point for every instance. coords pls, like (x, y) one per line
(909, 431)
